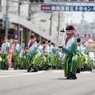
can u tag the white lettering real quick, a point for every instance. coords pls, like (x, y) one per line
(53, 8)
(67, 8)
(80, 8)
(85, 8)
(57, 8)
(71, 8)
(62, 8)
(76, 8)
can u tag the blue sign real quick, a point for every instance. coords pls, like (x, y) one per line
(67, 8)
(16, 32)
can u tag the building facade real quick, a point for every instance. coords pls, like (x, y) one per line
(19, 15)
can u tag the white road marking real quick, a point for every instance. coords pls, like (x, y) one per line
(62, 71)
(85, 72)
(58, 71)
(10, 71)
(24, 74)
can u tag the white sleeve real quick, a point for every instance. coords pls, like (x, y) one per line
(2, 48)
(29, 43)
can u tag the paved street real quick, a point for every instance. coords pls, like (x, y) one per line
(51, 82)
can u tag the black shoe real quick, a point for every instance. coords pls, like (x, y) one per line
(73, 76)
(68, 78)
(54, 67)
(39, 68)
(34, 70)
(15, 67)
(29, 68)
(6, 67)
(19, 67)
(78, 71)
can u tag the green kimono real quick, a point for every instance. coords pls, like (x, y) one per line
(70, 60)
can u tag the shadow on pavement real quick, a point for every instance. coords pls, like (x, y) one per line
(61, 79)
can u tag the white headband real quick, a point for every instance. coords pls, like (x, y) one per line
(70, 31)
(15, 40)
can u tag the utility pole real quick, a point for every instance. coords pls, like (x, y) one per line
(29, 11)
(40, 32)
(42, 20)
(82, 15)
(7, 19)
(82, 26)
(58, 24)
(67, 20)
(19, 3)
(50, 32)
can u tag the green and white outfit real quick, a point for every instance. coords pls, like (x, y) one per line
(16, 57)
(33, 55)
(70, 60)
(5, 55)
(5, 48)
(46, 58)
(38, 57)
(83, 50)
(83, 56)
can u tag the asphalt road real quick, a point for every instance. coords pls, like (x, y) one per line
(51, 82)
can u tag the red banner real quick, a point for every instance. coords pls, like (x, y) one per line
(83, 35)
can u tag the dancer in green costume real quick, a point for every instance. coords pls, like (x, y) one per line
(70, 50)
(32, 52)
(85, 54)
(81, 56)
(16, 55)
(46, 62)
(5, 54)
